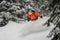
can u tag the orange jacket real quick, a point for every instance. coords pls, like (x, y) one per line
(34, 16)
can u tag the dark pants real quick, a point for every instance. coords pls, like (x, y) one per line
(28, 19)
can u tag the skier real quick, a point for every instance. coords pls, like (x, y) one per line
(55, 32)
(33, 15)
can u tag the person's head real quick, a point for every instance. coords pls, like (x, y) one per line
(32, 11)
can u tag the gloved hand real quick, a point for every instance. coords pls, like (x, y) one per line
(41, 16)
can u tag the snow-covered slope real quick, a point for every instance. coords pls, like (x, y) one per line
(27, 31)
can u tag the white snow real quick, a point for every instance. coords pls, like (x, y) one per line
(27, 31)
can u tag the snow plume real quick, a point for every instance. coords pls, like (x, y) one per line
(27, 31)
(33, 27)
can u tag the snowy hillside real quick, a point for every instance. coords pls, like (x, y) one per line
(27, 31)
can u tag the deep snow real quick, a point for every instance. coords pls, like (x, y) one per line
(27, 31)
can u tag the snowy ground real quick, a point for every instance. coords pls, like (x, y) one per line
(27, 31)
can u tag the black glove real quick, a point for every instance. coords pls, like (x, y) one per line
(41, 16)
